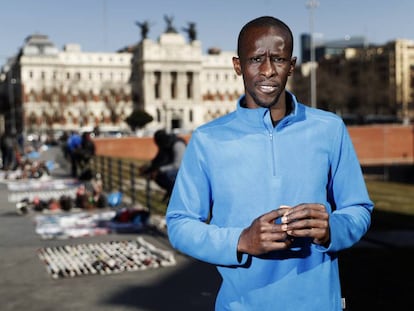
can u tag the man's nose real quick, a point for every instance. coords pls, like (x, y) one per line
(267, 68)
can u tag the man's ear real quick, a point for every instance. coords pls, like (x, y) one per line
(292, 66)
(236, 66)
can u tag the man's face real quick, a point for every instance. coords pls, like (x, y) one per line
(265, 64)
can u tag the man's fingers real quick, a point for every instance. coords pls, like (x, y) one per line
(271, 216)
(305, 211)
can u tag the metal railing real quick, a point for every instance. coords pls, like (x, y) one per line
(119, 174)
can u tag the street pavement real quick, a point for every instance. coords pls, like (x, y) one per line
(26, 285)
(376, 274)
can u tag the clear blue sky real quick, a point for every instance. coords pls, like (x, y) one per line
(108, 25)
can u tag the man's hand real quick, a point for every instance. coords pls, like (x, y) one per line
(308, 220)
(264, 235)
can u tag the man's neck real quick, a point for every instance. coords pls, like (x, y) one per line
(278, 111)
(281, 109)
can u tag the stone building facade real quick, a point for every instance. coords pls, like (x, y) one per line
(43, 88)
(180, 86)
(68, 89)
(171, 79)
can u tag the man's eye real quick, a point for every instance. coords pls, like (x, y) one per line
(279, 60)
(256, 59)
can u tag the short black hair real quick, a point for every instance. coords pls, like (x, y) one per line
(263, 21)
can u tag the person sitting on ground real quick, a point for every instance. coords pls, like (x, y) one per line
(164, 166)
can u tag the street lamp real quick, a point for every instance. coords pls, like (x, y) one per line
(311, 5)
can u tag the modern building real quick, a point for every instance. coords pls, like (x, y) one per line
(329, 47)
(371, 82)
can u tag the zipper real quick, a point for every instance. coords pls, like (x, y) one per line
(271, 133)
(272, 148)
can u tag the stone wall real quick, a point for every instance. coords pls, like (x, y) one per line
(141, 148)
(375, 145)
(383, 144)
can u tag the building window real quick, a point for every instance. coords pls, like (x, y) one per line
(157, 84)
(189, 85)
(158, 115)
(173, 84)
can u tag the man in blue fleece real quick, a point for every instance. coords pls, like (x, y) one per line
(272, 191)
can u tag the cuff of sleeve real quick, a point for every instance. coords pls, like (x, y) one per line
(241, 258)
(323, 249)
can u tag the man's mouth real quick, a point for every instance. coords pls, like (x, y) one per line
(266, 88)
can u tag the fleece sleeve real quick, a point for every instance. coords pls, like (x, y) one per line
(188, 213)
(347, 192)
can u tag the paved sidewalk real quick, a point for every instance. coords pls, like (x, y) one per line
(377, 273)
(26, 285)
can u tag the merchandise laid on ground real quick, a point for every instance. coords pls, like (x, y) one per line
(45, 189)
(42, 184)
(69, 208)
(104, 258)
(29, 169)
(82, 224)
(72, 225)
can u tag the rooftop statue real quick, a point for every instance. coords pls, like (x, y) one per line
(191, 31)
(144, 26)
(170, 27)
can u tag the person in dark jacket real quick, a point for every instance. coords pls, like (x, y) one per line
(87, 148)
(164, 166)
(7, 150)
(85, 154)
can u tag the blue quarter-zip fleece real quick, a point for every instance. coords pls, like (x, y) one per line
(237, 168)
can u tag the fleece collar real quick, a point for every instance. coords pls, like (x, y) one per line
(261, 116)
